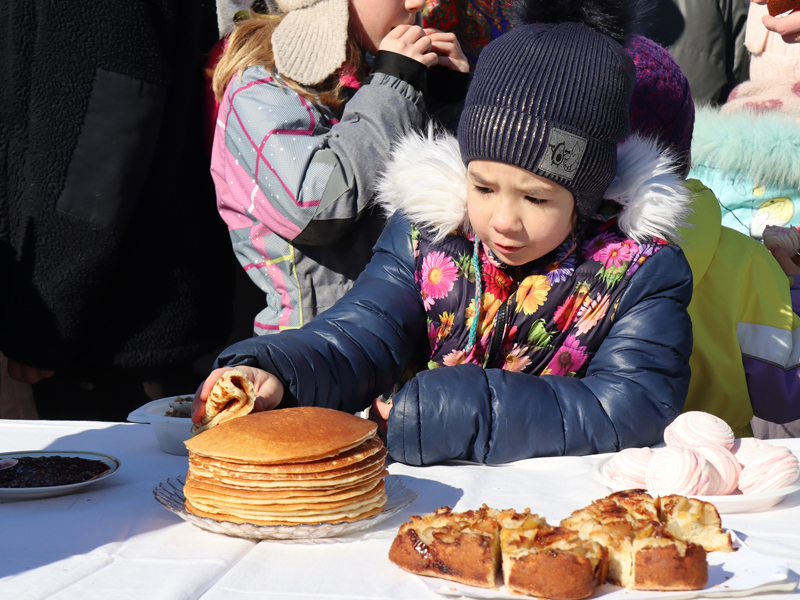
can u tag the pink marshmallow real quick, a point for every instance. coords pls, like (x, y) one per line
(628, 467)
(696, 427)
(675, 470)
(787, 238)
(744, 449)
(726, 465)
(771, 469)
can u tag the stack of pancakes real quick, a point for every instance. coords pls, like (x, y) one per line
(287, 467)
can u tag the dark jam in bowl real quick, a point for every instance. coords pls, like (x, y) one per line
(47, 471)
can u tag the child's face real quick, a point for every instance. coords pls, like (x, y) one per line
(519, 215)
(371, 20)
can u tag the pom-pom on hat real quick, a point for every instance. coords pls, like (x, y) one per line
(311, 41)
(551, 96)
(661, 105)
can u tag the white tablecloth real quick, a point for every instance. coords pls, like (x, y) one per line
(115, 541)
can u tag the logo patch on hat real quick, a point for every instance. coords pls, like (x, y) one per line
(563, 154)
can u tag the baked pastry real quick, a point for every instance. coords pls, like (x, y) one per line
(643, 553)
(778, 7)
(549, 562)
(284, 436)
(470, 547)
(291, 466)
(232, 396)
(694, 521)
(463, 547)
(627, 538)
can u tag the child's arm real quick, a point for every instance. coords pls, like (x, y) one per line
(357, 349)
(636, 384)
(773, 366)
(281, 169)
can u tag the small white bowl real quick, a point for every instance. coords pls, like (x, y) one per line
(171, 432)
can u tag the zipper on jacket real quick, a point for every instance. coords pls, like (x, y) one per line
(499, 331)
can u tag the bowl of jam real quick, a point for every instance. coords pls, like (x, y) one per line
(31, 475)
(171, 421)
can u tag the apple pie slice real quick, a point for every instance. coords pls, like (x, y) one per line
(549, 562)
(463, 547)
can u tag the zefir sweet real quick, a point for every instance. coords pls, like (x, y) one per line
(702, 458)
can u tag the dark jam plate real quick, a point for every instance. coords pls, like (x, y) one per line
(8, 494)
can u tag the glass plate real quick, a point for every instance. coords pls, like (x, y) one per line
(170, 495)
(734, 503)
(34, 493)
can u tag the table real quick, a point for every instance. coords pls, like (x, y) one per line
(115, 541)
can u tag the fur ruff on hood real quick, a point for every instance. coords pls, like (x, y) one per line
(762, 146)
(426, 180)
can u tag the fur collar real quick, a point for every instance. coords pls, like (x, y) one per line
(763, 147)
(426, 180)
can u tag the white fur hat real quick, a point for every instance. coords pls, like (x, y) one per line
(311, 41)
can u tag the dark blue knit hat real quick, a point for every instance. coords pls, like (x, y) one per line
(552, 98)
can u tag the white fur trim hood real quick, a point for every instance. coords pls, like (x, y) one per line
(426, 180)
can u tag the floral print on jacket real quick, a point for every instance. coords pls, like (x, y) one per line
(548, 317)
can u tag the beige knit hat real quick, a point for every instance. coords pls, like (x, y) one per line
(311, 41)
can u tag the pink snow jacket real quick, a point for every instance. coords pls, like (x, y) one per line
(294, 183)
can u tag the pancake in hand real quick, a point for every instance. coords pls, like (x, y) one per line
(232, 396)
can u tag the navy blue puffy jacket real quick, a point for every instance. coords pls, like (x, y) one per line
(634, 387)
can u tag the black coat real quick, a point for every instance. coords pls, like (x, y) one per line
(111, 249)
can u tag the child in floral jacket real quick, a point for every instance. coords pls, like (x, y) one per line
(522, 314)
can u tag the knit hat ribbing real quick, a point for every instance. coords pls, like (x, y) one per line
(311, 41)
(662, 104)
(552, 99)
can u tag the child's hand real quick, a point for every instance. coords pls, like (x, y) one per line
(410, 41)
(447, 48)
(787, 27)
(26, 374)
(789, 264)
(379, 412)
(268, 389)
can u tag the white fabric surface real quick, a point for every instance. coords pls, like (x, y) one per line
(115, 541)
